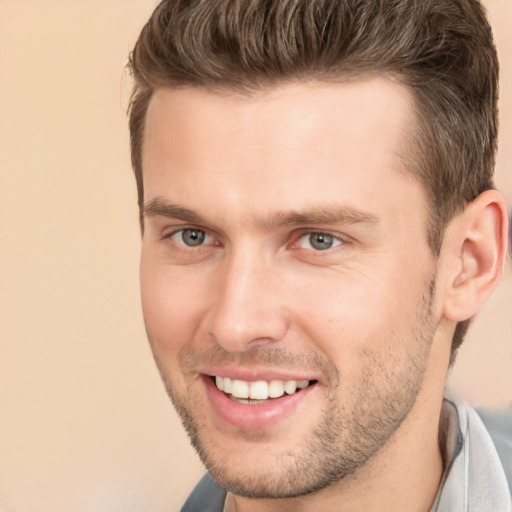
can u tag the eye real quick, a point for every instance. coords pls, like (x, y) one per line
(318, 241)
(191, 237)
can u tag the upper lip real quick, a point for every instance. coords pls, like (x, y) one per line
(256, 374)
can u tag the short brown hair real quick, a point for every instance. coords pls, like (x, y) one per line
(442, 49)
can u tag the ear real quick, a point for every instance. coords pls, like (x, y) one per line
(476, 249)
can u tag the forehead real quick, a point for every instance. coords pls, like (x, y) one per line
(290, 111)
(282, 145)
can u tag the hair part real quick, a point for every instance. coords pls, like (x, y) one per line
(442, 49)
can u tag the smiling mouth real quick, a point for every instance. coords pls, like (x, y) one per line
(261, 391)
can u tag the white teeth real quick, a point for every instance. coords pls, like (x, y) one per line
(259, 390)
(240, 388)
(275, 388)
(228, 385)
(290, 386)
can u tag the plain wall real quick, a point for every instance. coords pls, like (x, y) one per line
(85, 425)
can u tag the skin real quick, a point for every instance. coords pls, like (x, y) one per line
(367, 318)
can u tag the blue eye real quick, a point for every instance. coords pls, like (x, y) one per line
(191, 237)
(318, 241)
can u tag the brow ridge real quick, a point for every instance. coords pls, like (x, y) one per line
(334, 214)
(330, 214)
(161, 207)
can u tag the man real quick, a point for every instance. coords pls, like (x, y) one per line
(319, 226)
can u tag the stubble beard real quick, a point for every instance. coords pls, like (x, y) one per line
(349, 432)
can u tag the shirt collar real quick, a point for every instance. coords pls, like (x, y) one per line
(473, 479)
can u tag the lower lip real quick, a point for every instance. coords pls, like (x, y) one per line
(257, 416)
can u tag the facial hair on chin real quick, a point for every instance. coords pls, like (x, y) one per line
(350, 430)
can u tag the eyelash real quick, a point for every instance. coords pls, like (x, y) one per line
(335, 240)
(182, 229)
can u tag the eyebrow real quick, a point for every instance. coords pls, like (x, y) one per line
(329, 214)
(159, 207)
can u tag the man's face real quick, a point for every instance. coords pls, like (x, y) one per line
(285, 246)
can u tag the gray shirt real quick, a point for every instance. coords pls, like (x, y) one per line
(475, 478)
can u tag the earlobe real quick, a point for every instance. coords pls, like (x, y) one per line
(478, 247)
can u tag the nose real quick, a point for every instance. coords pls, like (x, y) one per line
(247, 308)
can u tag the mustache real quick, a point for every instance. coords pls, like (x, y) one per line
(275, 357)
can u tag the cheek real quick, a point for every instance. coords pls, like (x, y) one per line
(351, 314)
(172, 305)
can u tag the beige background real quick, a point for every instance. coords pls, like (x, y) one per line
(85, 425)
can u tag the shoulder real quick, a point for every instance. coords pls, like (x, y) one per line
(498, 423)
(207, 496)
